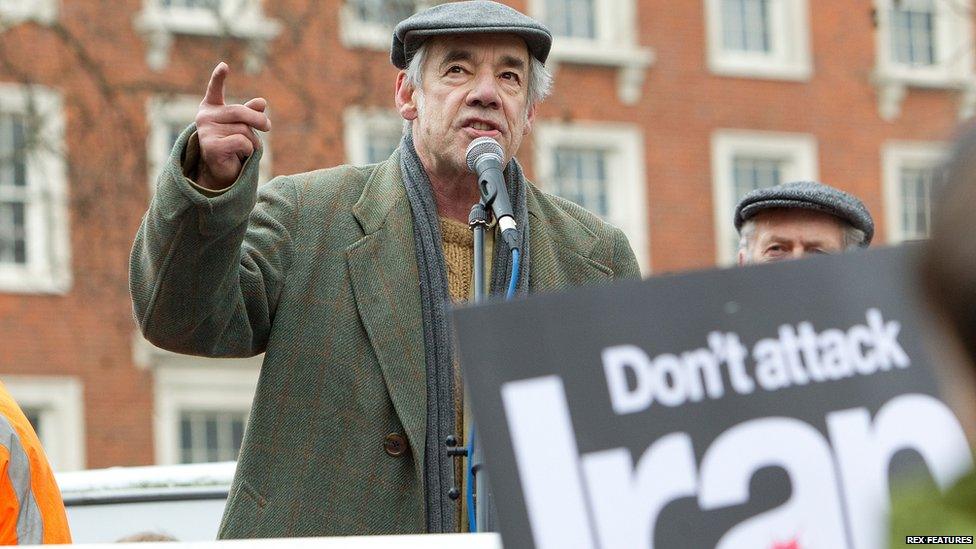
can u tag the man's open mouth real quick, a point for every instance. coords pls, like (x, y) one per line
(481, 125)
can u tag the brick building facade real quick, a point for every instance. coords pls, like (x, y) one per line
(662, 114)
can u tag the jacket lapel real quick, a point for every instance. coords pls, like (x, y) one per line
(383, 271)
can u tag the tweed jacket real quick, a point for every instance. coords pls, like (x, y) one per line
(318, 271)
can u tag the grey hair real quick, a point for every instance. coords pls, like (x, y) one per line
(853, 237)
(539, 85)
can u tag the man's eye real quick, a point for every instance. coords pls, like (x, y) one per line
(455, 69)
(511, 76)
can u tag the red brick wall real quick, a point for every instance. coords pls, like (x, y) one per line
(96, 59)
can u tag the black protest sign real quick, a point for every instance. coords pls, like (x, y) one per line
(764, 407)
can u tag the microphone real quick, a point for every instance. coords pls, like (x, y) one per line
(484, 158)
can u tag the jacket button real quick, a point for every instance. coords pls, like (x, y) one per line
(395, 444)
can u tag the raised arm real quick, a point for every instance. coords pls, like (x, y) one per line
(210, 257)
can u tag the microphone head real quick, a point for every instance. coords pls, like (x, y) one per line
(482, 146)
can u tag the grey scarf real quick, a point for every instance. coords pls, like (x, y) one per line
(438, 338)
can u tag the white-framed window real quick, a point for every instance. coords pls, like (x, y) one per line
(759, 38)
(201, 406)
(160, 20)
(168, 116)
(369, 23)
(923, 43)
(912, 34)
(743, 161)
(600, 166)
(34, 248)
(572, 19)
(13, 12)
(55, 407)
(597, 32)
(909, 171)
(371, 135)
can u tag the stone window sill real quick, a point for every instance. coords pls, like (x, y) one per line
(160, 28)
(892, 85)
(763, 69)
(632, 62)
(44, 12)
(27, 280)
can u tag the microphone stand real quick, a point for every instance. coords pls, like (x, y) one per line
(478, 221)
(484, 504)
(484, 157)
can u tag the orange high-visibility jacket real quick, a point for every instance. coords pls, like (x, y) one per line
(31, 509)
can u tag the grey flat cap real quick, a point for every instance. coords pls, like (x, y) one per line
(807, 195)
(475, 17)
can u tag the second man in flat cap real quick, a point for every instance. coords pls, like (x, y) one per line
(791, 220)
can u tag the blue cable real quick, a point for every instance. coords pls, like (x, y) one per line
(515, 275)
(472, 516)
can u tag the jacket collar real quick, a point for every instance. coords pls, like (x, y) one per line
(383, 191)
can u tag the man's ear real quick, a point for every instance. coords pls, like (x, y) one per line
(404, 97)
(529, 120)
(742, 257)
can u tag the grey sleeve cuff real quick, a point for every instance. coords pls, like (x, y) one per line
(209, 193)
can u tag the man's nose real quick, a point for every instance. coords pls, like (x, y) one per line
(484, 92)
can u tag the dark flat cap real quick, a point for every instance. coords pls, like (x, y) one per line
(474, 17)
(807, 195)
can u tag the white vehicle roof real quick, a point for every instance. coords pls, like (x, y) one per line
(187, 502)
(182, 501)
(146, 482)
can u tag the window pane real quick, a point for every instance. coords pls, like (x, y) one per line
(751, 173)
(186, 440)
(913, 32)
(572, 18)
(19, 152)
(13, 147)
(384, 12)
(380, 144)
(237, 434)
(746, 25)
(213, 449)
(916, 207)
(207, 436)
(13, 233)
(581, 177)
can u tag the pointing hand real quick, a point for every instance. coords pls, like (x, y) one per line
(226, 133)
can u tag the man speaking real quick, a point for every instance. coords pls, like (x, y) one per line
(344, 276)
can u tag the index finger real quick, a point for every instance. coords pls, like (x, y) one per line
(215, 89)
